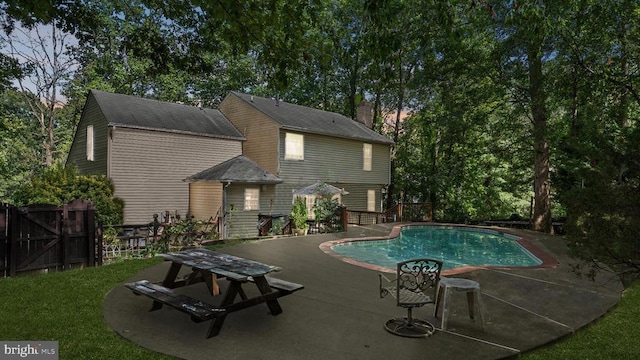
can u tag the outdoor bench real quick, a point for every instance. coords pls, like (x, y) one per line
(199, 311)
(281, 285)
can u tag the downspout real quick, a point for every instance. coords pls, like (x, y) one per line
(109, 149)
(224, 210)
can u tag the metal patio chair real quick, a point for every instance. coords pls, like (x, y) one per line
(413, 279)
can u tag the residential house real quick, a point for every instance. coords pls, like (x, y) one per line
(149, 147)
(304, 147)
(229, 165)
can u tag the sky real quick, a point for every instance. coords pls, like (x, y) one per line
(49, 59)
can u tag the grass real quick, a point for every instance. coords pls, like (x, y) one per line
(615, 336)
(67, 307)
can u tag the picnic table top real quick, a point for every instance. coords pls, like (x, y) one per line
(216, 262)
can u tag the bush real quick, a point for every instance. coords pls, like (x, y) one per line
(59, 185)
(602, 227)
(186, 233)
(299, 213)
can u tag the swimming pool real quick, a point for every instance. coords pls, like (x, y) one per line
(457, 247)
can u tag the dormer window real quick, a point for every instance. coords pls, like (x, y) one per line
(294, 146)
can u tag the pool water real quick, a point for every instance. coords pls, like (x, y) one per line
(455, 246)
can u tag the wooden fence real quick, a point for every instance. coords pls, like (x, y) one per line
(41, 238)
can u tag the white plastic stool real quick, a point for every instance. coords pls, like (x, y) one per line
(443, 295)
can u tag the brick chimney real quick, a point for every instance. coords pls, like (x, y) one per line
(365, 114)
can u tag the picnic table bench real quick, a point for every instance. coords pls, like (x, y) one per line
(209, 266)
(199, 310)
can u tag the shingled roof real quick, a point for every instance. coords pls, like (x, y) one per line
(239, 169)
(150, 114)
(305, 119)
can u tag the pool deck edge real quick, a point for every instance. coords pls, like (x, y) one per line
(525, 240)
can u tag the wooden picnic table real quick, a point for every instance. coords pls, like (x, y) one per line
(209, 266)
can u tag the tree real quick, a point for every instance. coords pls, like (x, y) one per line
(41, 52)
(598, 175)
(526, 46)
(19, 155)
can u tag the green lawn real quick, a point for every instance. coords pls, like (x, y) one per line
(67, 307)
(615, 336)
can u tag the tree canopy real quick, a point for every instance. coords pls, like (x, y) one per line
(497, 108)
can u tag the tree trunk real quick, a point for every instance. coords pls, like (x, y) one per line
(396, 132)
(542, 207)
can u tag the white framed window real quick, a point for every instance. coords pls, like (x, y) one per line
(90, 142)
(310, 202)
(371, 200)
(294, 146)
(366, 157)
(252, 199)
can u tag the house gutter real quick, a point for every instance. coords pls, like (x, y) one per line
(224, 210)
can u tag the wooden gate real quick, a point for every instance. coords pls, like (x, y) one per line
(4, 227)
(48, 238)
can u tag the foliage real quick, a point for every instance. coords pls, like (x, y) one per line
(326, 211)
(602, 196)
(505, 101)
(187, 232)
(276, 226)
(603, 227)
(299, 213)
(42, 54)
(19, 152)
(58, 185)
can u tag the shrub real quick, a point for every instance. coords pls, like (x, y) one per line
(299, 213)
(59, 185)
(602, 227)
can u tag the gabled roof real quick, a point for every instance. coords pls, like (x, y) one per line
(239, 169)
(305, 119)
(149, 114)
(320, 188)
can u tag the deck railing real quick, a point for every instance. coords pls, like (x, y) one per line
(399, 213)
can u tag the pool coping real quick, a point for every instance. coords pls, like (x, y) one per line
(525, 241)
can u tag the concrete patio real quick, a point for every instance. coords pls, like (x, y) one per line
(339, 314)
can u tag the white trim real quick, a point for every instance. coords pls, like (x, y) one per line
(251, 199)
(90, 143)
(367, 156)
(371, 200)
(293, 146)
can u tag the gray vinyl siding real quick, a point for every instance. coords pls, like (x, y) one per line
(357, 197)
(335, 160)
(205, 200)
(338, 162)
(148, 169)
(242, 223)
(91, 115)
